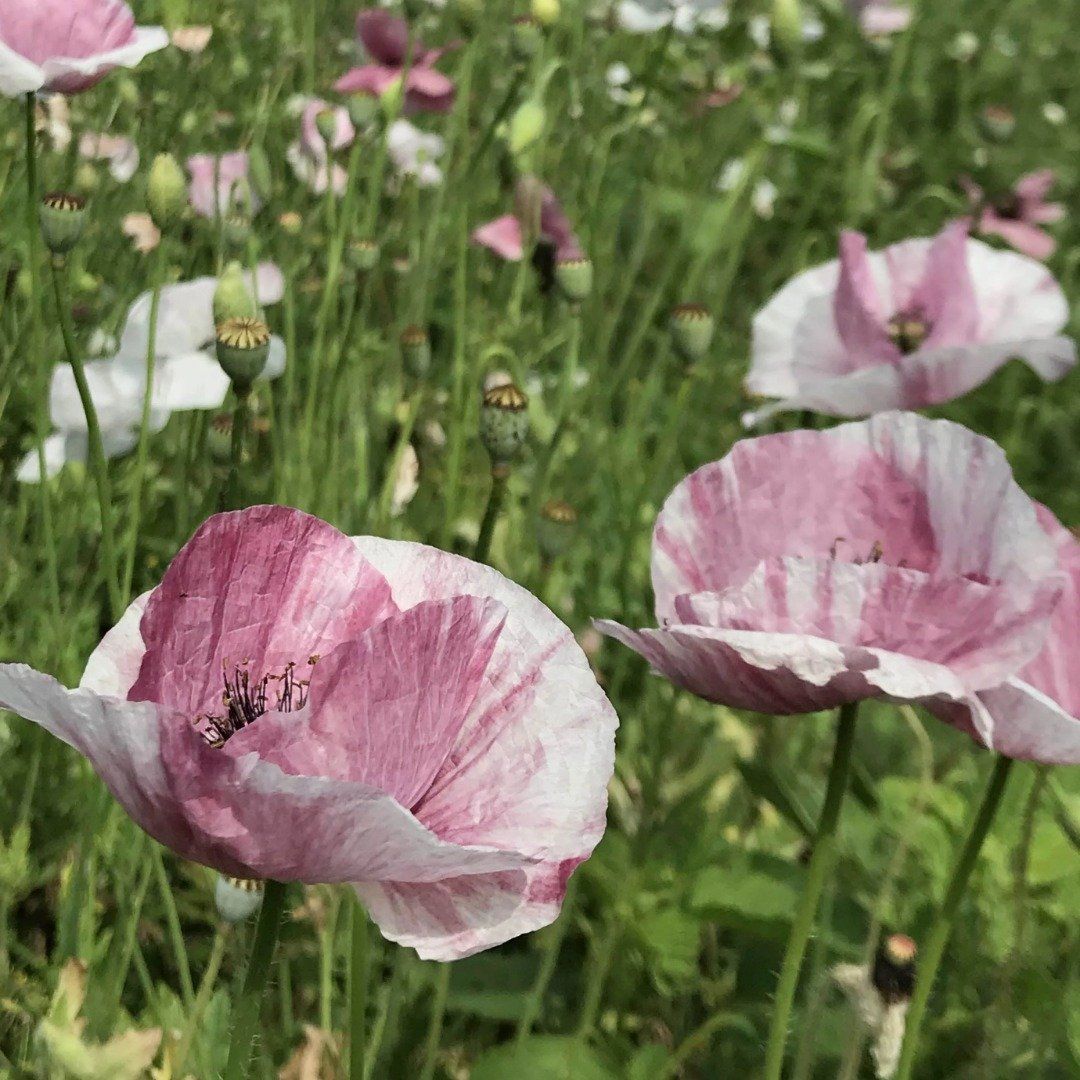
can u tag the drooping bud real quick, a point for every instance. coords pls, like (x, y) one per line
(363, 255)
(232, 297)
(237, 898)
(63, 218)
(555, 528)
(166, 192)
(243, 347)
(546, 12)
(416, 351)
(363, 108)
(525, 37)
(692, 329)
(504, 425)
(893, 973)
(574, 276)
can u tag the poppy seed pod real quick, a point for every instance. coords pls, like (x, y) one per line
(692, 329)
(574, 276)
(236, 230)
(416, 351)
(243, 347)
(237, 899)
(166, 192)
(525, 37)
(363, 255)
(504, 424)
(555, 528)
(63, 218)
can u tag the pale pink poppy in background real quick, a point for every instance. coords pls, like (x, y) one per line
(121, 154)
(68, 46)
(918, 324)
(506, 235)
(143, 233)
(1035, 716)
(894, 558)
(878, 18)
(385, 37)
(221, 184)
(192, 39)
(1018, 218)
(295, 705)
(310, 158)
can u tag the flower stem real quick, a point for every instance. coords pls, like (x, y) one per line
(96, 447)
(494, 507)
(246, 1009)
(821, 864)
(934, 949)
(435, 1025)
(359, 978)
(234, 491)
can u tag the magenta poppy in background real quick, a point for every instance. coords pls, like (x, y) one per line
(221, 184)
(310, 156)
(1018, 218)
(1035, 716)
(917, 324)
(295, 705)
(894, 558)
(386, 39)
(67, 46)
(506, 235)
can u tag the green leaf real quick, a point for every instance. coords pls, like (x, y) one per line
(542, 1057)
(492, 986)
(674, 938)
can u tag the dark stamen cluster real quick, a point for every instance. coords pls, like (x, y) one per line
(877, 552)
(908, 333)
(244, 700)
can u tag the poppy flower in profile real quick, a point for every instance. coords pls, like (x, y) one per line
(1018, 218)
(221, 184)
(893, 558)
(67, 46)
(385, 37)
(918, 324)
(506, 235)
(121, 154)
(295, 705)
(311, 156)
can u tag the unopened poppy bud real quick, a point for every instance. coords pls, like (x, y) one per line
(363, 108)
(236, 230)
(363, 255)
(504, 424)
(692, 329)
(237, 899)
(63, 218)
(574, 276)
(166, 192)
(787, 25)
(526, 126)
(416, 351)
(326, 125)
(232, 297)
(243, 347)
(893, 973)
(555, 528)
(526, 37)
(546, 12)
(260, 176)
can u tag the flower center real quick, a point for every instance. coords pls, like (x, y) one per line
(1008, 207)
(908, 332)
(245, 699)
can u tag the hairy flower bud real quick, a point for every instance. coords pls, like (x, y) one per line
(166, 192)
(504, 424)
(63, 218)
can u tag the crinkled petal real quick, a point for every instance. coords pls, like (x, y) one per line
(70, 75)
(428, 90)
(946, 294)
(857, 307)
(114, 665)
(1018, 298)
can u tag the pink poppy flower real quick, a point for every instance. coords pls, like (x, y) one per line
(878, 18)
(1018, 218)
(895, 558)
(311, 158)
(918, 324)
(1035, 715)
(296, 705)
(121, 153)
(220, 185)
(386, 39)
(506, 235)
(67, 46)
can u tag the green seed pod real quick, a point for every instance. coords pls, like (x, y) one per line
(555, 529)
(237, 899)
(243, 347)
(166, 192)
(526, 37)
(504, 424)
(416, 351)
(574, 278)
(232, 297)
(363, 255)
(63, 218)
(692, 329)
(236, 230)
